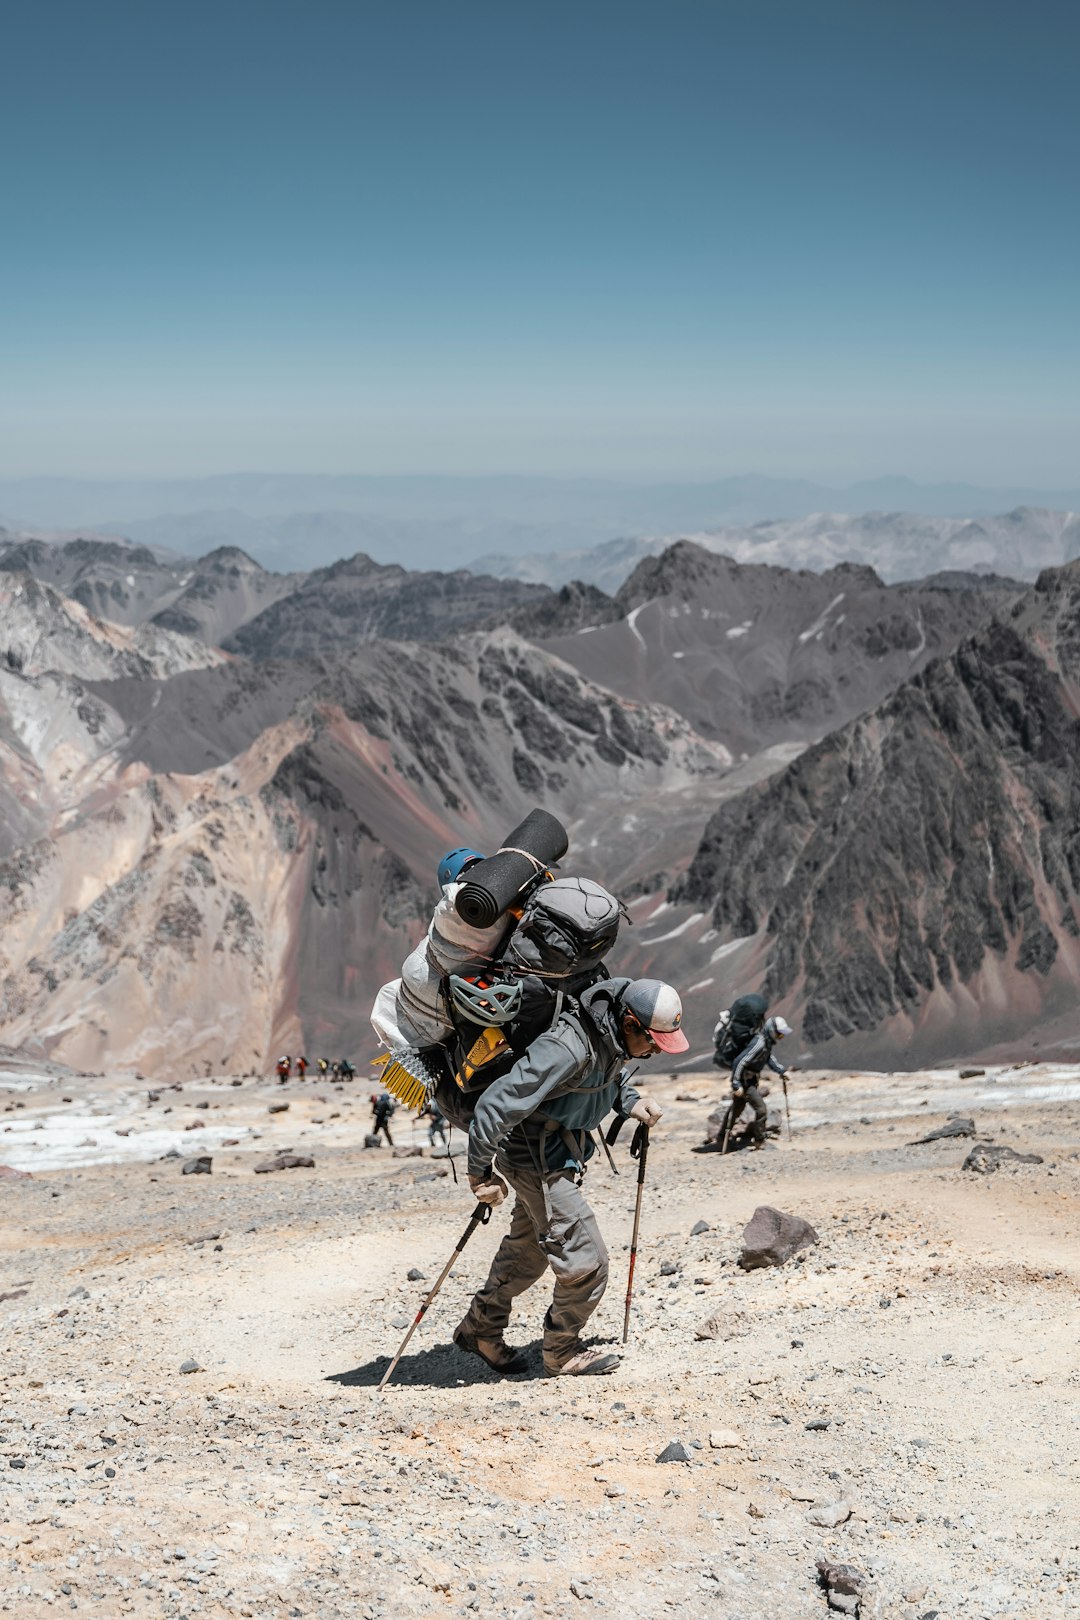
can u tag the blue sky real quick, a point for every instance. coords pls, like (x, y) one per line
(675, 239)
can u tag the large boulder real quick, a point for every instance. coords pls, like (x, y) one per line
(771, 1237)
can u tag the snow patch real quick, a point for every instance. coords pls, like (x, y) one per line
(674, 933)
(631, 620)
(739, 630)
(818, 626)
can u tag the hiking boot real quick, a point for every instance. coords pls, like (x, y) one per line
(498, 1355)
(582, 1364)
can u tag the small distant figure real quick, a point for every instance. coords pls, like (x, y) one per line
(301, 1066)
(746, 1075)
(284, 1067)
(345, 1070)
(382, 1111)
(436, 1123)
(323, 1066)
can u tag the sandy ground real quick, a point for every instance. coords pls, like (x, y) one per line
(934, 1329)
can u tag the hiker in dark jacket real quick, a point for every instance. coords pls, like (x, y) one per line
(746, 1073)
(531, 1129)
(382, 1111)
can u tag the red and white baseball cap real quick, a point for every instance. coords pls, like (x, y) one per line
(658, 1009)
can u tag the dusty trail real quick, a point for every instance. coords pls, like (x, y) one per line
(936, 1323)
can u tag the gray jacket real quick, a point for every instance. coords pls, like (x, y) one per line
(539, 1114)
(746, 1070)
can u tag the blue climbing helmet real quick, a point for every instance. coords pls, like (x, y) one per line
(457, 861)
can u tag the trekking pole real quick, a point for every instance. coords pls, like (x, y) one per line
(787, 1105)
(479, 1217)
(639, 1150)
(728, 1121)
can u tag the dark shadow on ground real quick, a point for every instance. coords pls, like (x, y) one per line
(444, 1366)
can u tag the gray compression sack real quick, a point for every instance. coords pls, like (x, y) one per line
(493, 885)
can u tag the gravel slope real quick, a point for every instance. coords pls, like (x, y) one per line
(936, 1324)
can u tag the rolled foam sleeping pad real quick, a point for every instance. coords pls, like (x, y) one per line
(493, 885)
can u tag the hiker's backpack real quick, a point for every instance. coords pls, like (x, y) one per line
(566, 929)
(736, 1028)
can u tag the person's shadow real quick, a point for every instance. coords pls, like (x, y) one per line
(444, 1366)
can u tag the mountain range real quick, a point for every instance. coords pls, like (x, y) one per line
(898, 545)
(222, 802)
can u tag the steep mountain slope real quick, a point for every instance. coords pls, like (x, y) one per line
(40, 629)
(911, 885)
(113, 580)
(220, 592)
(898, 545)
(754, 655)
(232, 860)
(357, 600)
(126, 584)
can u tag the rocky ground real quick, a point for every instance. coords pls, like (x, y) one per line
(900, 1397)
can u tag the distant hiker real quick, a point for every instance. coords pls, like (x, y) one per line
(531, 1130)
(436, 1123)
(736, 1027)
(345, 1070)
(284, 1067)
(324, 1068)
(301, 1066)
(746, 1073)
(382, 1111)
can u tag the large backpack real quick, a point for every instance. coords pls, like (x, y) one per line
(736, 1028)
(566, 929)
(555, 952)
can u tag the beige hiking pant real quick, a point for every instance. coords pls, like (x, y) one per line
(569, 1242)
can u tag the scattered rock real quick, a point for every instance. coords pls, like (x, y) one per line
(400, 1321)
(17, 1462)
(231, 1141)
(279, 1108)
(699, 1227)
(372, 1141)
(614, 1490)
(674, 1451)
(830, 1514)
(190, 1367)
(415, 1275)
(9, 1173)
(79, 1293)
(14, 1293)
(725, 1439)
(408, 1153)
(955, 1127)
(819, 1424)
(771, 1237)
(202, 1166)
(721, 1325)
(285, 1161)
(845, 1585)
(985, 1157)
(669, 1268)
(196, 1125)
(971, 1074)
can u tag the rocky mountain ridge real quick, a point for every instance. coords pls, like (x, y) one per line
(755, 655)
(231, 860)
(913, 880)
